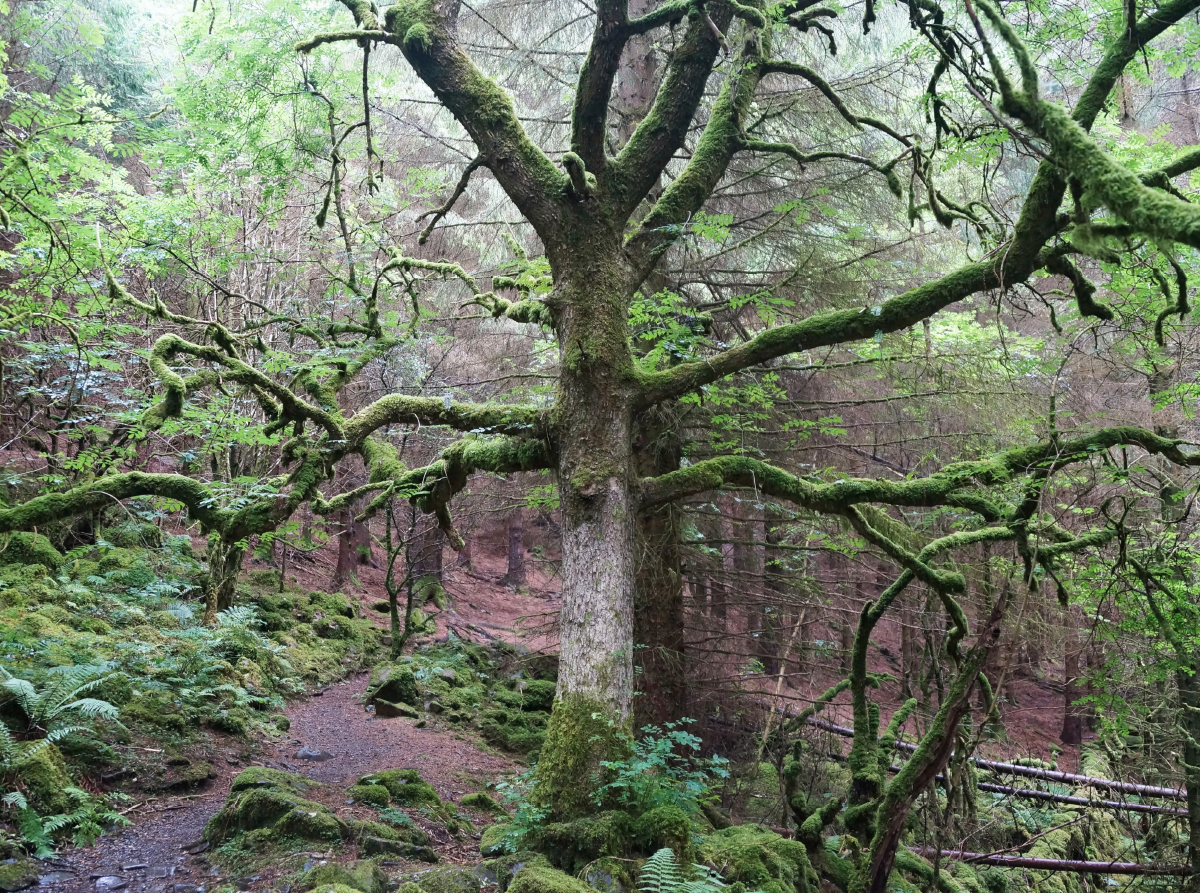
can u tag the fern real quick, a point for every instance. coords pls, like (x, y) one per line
(661, 873)
(64, 695)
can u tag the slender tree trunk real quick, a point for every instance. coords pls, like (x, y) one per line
(775, 593)
(1074, 687)
(345, 555)
(224, 566)
(364, 553)
(516, 576)
(1189, 719)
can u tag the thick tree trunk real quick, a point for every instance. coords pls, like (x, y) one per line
(516, 550)
(658, 603)
(595, 479)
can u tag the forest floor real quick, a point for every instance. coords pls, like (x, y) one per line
(156, 853)
(162, 852)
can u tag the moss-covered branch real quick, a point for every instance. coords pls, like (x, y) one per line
(107, 491)
(941, 488)
(637, 168)
(398, 409)
(481, 106)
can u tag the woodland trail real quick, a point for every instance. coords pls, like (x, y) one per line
(334, 722)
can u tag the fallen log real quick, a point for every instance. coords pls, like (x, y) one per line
(1070, 865)
(1027, 794)
(1124, 787)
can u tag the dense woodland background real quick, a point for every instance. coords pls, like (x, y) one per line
(163, 165)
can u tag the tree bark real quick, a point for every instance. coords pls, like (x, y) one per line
(595, 476)
(345, 556)
(224, 566)
(516, 576)
(1074, 687)
(658, 603)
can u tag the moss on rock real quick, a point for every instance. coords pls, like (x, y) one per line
(541, 879)
(17, 874)
(758, 858)
(373, 794)
(481, 802)
(362, 875)
(394, 683)
(43, 772)
(30, 548)
(267, 800)
(665, 826)
(450, 879)
(572, 845)
(405, 787)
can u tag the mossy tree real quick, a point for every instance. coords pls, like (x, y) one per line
(605, 223)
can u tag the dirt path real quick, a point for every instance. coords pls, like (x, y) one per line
(150, 856)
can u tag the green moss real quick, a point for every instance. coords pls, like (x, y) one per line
(451, 879)
(405, 787)
(373, 794)
(44, 774)
(262, 777)
(539, 879)
(481, 802)
(19, 874)
(333, 604)
(760, 859)
(491, 842)
(580, 735)
(30, 548)
(265, 802)
(572, 845)
(665, 826)
(394, 683)
(362, 875)
(281, 722)
(539, 695)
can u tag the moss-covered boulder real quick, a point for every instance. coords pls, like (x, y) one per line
(665, 826)
(539, 695)
(540, 879)
(572, 845)
(758, 858)
(514, 730)
(43, 772)
(268, 802)
(394, 683)
(492, 841)
(17, 874)
(481, 802)
(30, 548)
(362, 875)
(502, 870)
(405, 787)
(372, 794)
(450, 879)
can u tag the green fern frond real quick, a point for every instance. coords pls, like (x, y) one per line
(661, 873)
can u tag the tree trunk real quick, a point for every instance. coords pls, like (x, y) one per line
(345, 556)
(1074, 687)
(775, 593)
(1189, 719)
(658, 603)
(224, 566)
(364, 554)
(595, 682)
(516, 576)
